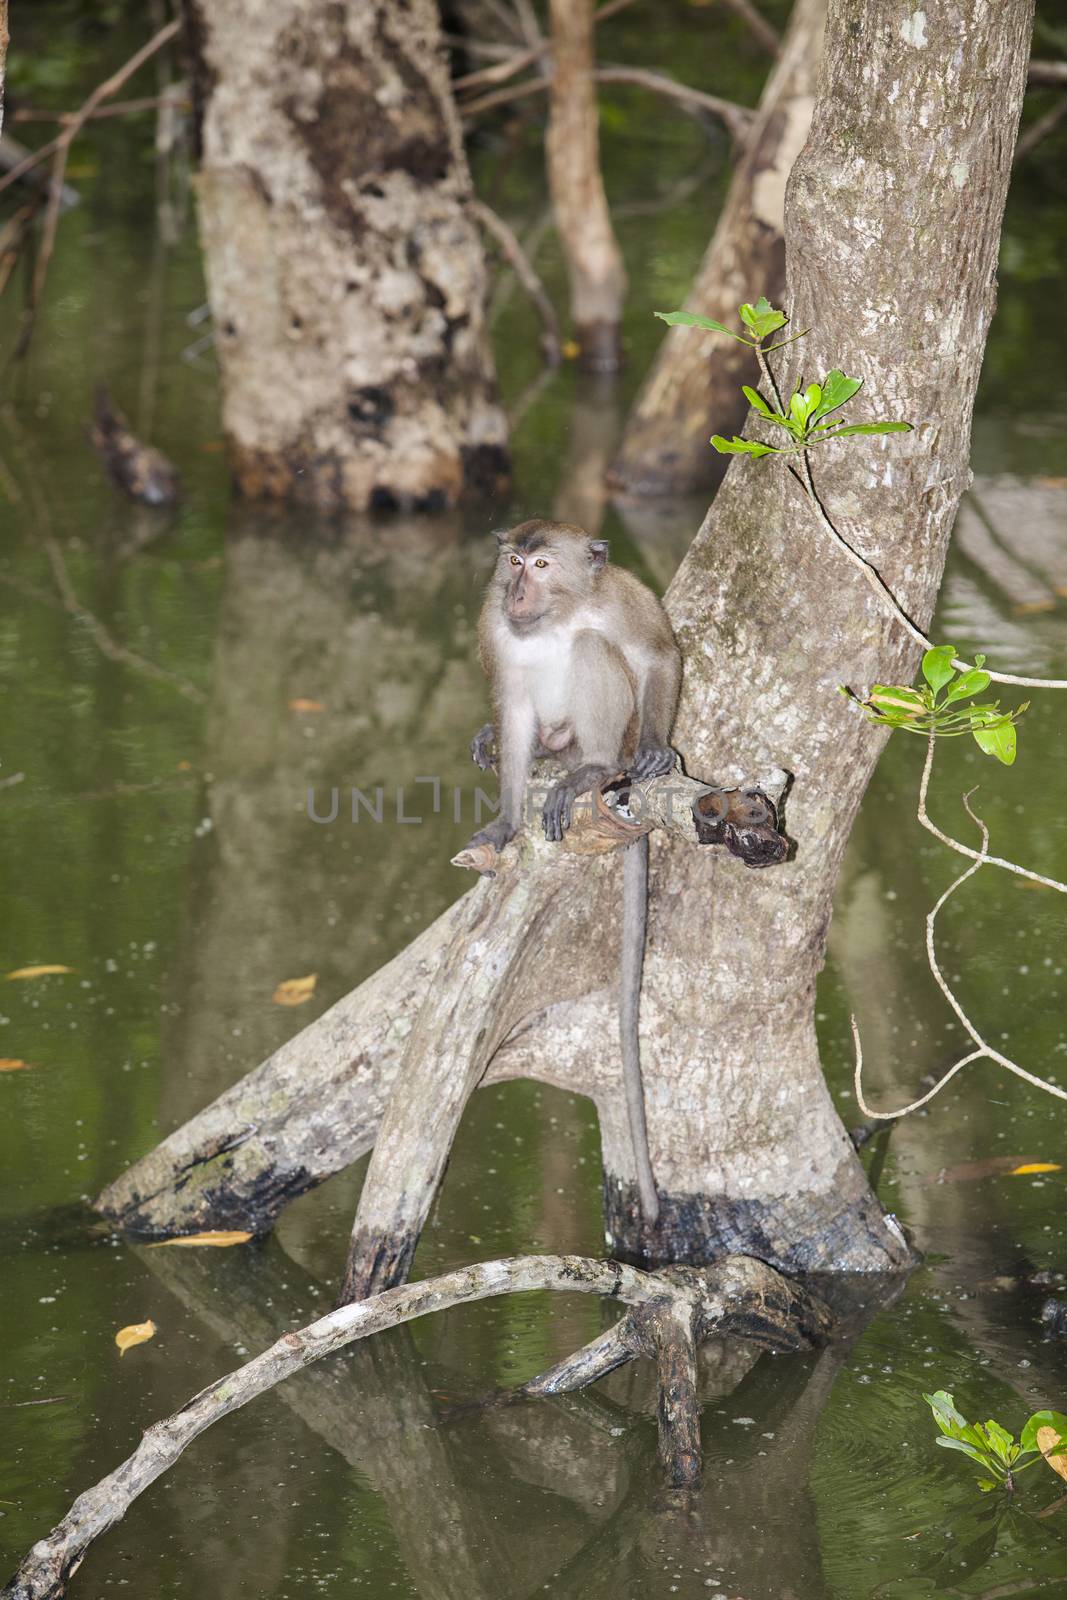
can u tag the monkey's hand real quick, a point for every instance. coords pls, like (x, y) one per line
(483, 747)
(652, 761)
(497, 834)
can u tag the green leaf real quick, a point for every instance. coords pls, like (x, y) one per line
(836, 390)
(690, 319)
(967, 684)
(937, 666)
(802, 404)
(741, 447)
(998, 740)
(755, 399)
(894, 697)
(948, 1419)
(868, 427)
(982, 1456)
(1043, 1419)
(1000, 1441)
(985, 1484)
(762, 318)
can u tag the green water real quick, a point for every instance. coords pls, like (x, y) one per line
(157, 842)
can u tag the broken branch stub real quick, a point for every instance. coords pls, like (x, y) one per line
(744, 819)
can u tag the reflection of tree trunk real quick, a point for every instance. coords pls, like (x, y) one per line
(375, 634)
(345, 275)
(693, 389)
(372, 1407)
(572, 146)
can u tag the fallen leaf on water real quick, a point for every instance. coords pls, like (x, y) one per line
(1035, 1166)
(219, 1239)
(136, 1333)
(294, 991)
(37, 972)
(185, 766)
(1052, 483)
(1032, 608)
(1046, 1438)
(570, 349)
(8, 1064)
(306, 705)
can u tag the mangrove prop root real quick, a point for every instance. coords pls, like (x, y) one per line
(679, 1306)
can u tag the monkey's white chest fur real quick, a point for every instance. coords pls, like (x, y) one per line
(539, 670)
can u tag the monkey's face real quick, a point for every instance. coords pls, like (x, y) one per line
(545, 569)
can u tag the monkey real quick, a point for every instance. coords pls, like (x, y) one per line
(583, 666)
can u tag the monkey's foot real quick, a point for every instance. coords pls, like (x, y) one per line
(497, 834)
(483, 749)
(558, 811)
(652, 761)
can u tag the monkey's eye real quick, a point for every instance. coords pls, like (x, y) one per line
(516, 561)
(540, 563)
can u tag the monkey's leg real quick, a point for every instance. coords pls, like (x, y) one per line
(601, 714)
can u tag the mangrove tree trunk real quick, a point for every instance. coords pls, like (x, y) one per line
(345, 275)
(583, 220)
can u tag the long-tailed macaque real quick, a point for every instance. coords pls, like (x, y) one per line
(583, 667)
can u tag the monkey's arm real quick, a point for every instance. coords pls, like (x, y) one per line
(518, 727)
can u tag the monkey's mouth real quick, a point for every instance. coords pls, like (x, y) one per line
(521, 623)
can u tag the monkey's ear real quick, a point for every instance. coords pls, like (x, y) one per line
(598, 553)
(501, 535)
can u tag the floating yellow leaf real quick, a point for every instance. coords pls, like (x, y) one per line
(37, 972)
(1046, 1438)
(306, 705)
(185, 766)
(1035, 1166)
(7, 1064)
(1032, 608)
(219, 1239)
(1053, 483)
(136, 1333)
(570, 349)
(294, 991)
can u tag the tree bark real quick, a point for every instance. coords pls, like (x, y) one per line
(893, 220)
(693, 388)
(583, 220)
(345, 274)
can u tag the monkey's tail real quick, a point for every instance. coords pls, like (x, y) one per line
(634, 920)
